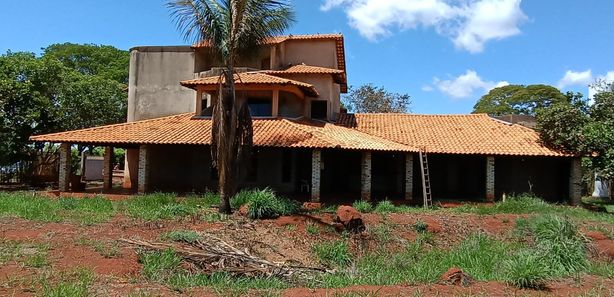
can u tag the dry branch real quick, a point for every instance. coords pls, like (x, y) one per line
(211, 254)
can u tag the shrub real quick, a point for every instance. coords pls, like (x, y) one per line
(264, 204)
(363, 206)
(421, 226)
(335, 253)
(187, 236)
(385, 207)
(526, 269)
(560, 241)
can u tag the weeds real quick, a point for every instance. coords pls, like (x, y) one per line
(264, 204)
(75, 284)
(333, 254)
(363, 206)
(312, 229)
(160, 206)
(526, 269)
(421, 227)
(187, 236)
(37, 260)
(31, 206)
(385, 207)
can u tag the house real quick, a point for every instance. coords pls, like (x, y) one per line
(305, 146)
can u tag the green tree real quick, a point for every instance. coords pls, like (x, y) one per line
(233, 29)
(577, 128)
(46, 94)
(370, 99)
(92, 60)
(520, 99)
(28, 88)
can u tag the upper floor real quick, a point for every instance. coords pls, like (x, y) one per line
(290, 76)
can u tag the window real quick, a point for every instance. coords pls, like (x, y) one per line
(319, 109)
(260, 107)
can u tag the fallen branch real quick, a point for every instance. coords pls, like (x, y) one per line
(212, 254)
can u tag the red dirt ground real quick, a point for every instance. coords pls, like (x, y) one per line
(276, 240)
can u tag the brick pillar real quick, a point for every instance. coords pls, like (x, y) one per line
(490, 178)
(143, 175)
(365, 176)
(107, 168)
(316, 165)
(409, 176)
(65, 167)
(575, 182)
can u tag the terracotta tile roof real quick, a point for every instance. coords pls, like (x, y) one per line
(186, 129)
(338, 38)
(253, 78)
(305, 69)
(453, 134)
(338, 75)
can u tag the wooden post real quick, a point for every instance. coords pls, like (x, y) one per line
(275, 103)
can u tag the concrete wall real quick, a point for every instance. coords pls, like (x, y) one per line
(321, 53)
(154, 89)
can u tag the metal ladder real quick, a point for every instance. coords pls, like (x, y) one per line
(426, 181)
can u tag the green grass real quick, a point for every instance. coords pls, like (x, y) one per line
(72, 284)
(529, 204)
(161, 206)
(188, 236)
(363, 206)
(312, 229)
(384, 207)
(37, 260)
(107, 249)
(526, 269)
(9, 250)
(421, 227)
(30, 206)
(479, 256)
(164, 267)
(333, 253)
(265, 204)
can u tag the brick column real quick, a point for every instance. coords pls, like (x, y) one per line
(365, 176)
(316, 165)
(575, 182)
(143, 175)
(409, 176)
(107, 168)
(490, 178)
(65, 167)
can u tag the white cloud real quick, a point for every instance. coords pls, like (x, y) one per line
(573, 78)
(468, 23)
(427, 88)
(466, 85)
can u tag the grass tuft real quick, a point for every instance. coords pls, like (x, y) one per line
(333, 254)
(187, 236)
(363, 206)
(526, 269)
(385, 207)
(264, 204)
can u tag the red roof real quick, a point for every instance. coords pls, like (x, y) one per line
(452, 134)
(187, 129)
(253, 78)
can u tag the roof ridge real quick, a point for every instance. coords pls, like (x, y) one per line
(416, 114)
(116, 125)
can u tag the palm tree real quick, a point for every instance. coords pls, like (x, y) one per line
(234, 30)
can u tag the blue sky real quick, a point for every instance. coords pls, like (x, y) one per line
(444, 53)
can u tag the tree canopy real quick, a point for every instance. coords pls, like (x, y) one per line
(520, 99)
(582, 129)
(47, 94)
(371, 99)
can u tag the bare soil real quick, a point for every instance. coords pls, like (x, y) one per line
(283, 239)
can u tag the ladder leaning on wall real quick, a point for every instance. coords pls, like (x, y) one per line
(426, 181)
